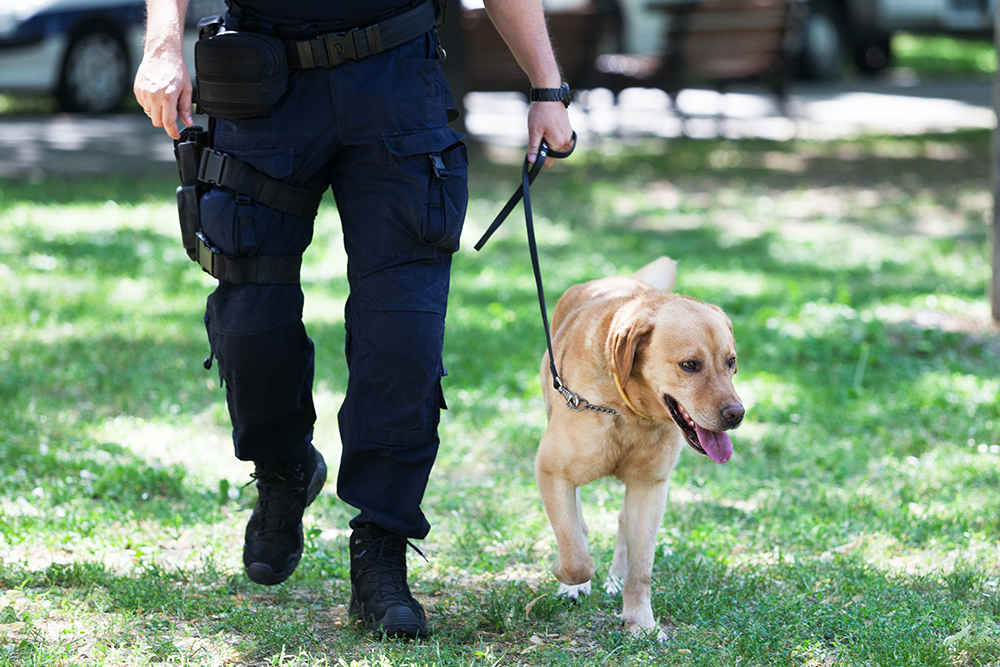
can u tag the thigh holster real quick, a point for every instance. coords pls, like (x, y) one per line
(201, 168)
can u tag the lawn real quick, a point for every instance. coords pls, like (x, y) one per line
(940, 55)
(858, 522)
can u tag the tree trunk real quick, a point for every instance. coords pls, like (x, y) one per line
(995, 280)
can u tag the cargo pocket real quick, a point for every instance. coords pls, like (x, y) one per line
(437, 159)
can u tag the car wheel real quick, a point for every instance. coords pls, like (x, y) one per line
(823, 43)
(873, 55)
(95, 71)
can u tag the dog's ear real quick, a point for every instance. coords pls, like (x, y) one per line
(630, 332)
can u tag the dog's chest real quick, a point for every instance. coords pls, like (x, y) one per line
(645, 453)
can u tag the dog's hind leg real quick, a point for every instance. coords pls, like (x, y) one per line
(615, 582)
(644, 506)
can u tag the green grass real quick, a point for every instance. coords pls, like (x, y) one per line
(940, 55)
(858, 522)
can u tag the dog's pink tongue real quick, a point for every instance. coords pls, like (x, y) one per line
(716, 444)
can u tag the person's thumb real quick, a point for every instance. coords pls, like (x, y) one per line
(534, 142)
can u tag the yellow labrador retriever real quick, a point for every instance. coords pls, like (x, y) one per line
(664, 363)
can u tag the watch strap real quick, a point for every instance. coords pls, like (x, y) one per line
(561, 94)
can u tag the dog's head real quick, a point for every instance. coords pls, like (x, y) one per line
(675, 358)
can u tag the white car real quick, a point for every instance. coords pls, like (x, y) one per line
(85, 52)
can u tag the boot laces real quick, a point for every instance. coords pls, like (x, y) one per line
(279, 499)
(383, 566)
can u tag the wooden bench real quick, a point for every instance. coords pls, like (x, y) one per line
(713, 42)
(716, 42)
(479, 60)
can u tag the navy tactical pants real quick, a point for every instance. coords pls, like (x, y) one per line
(376, 131)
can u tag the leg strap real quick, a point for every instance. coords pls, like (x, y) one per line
(282, 270)
(198, 165)
(219, 169)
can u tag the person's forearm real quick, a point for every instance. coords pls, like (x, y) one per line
(165, 26)
(162, 83)
(521, 23)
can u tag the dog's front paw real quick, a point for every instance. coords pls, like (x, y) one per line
(614, 584)
(574, 591)
(643, 633)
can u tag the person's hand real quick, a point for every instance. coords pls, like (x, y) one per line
(549, 121)
(163, 88)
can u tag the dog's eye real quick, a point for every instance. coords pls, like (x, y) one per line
(691, 366)
(732, 362)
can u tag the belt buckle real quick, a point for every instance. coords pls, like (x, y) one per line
(340, 47)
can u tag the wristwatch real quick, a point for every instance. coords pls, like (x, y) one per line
(550, 94)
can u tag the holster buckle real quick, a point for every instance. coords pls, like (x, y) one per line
(206, 254)
(212, 165)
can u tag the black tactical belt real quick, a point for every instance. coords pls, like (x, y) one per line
(335, 48)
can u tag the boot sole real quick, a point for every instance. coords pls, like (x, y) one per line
(400, 622)
(264, 574)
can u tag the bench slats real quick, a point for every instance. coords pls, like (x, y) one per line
(704, 41)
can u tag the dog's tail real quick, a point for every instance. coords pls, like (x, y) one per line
(660, 273)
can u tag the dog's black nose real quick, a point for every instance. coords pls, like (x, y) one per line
(733, 414)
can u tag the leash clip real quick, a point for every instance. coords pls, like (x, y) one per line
(577, 404)
(573, 401)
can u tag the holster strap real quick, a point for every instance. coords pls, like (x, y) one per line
(220, 169)
(335, 48)
(283, 270)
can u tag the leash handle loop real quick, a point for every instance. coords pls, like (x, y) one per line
(551, 152)
(532, 171)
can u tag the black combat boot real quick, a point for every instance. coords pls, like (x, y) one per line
(273, 544)
(380, 597)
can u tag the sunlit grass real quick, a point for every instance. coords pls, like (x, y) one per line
(856, 524)
(941, 54)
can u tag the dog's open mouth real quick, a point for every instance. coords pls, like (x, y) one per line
(716, 445)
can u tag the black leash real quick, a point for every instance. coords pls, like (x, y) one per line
(528, 174)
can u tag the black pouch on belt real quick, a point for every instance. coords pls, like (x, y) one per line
(239, 74)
